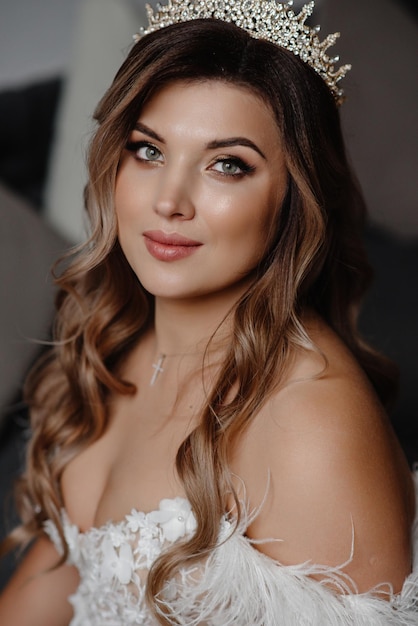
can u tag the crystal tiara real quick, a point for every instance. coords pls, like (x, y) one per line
(262, 19)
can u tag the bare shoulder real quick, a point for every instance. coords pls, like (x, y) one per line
(38, 591)
(337, 473)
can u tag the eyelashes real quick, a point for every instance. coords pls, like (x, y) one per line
(232, 166)
(226, 166)
(145, 151)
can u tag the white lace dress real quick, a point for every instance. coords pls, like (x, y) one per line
(236, 586)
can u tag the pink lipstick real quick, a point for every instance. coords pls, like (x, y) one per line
(169, 246)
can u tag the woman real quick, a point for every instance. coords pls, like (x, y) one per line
(210, 444)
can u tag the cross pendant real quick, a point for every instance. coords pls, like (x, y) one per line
(157, 368)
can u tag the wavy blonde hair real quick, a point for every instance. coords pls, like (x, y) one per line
(315, 259)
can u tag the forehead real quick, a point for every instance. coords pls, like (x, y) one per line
(209, 108)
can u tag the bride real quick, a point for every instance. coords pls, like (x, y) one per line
(210, 443)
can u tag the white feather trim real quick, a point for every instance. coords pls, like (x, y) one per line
(240, 586)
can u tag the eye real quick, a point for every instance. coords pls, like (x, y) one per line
(145, 151)
(232, 166)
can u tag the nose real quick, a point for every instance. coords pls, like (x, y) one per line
(173, 197)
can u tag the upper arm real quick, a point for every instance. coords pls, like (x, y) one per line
(337, 490)
(36, 594)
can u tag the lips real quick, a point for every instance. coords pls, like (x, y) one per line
(169, 246)
(172, 239)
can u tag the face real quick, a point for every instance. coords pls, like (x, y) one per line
(198, 189)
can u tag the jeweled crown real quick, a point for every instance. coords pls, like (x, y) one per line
(262, 19)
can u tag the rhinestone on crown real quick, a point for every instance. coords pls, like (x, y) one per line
(262, 19)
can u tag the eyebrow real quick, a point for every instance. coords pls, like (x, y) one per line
(235, 141)
(147, 131)
(212, 145)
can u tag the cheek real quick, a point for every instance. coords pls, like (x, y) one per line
(246, 218)
(122, 196)
(127, 199)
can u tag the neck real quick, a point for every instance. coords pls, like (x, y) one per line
(182, 325)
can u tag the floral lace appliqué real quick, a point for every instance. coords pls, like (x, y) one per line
(114, 559)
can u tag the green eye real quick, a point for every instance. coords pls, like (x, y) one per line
(150, 153)
(145, 151)
(229, 167)
(233, 167)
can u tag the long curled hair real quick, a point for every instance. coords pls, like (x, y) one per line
(315, 259)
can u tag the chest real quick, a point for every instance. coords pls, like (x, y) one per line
(131, 466)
